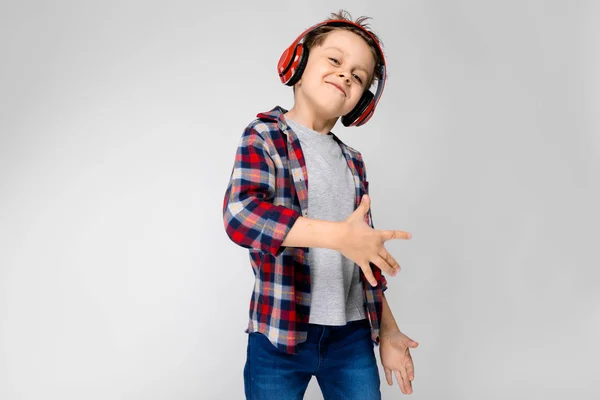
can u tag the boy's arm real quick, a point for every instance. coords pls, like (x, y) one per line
(250, 218)
(388, 323)
(353, 238)
(358, 242)
(308, 232)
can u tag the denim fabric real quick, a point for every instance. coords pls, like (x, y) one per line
(340, 357)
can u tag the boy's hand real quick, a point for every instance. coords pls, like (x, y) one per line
(363, 244)
(394, 350)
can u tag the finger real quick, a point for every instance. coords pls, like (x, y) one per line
(400, 381)
(368, 274)
(383, 265)
(389, 235)
(410, 368)
(406, 382)
(388, 376)
(390, 260)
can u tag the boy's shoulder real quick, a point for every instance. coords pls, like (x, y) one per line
(269, 125)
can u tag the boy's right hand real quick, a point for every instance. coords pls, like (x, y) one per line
(363, 244)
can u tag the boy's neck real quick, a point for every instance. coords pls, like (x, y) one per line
(305, 116)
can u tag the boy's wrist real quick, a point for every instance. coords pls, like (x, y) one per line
(339, 236)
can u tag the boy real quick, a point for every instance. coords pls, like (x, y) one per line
(297, 200)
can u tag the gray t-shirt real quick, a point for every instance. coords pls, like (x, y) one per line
(336, 291)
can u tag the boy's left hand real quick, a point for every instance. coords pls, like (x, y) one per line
(395, 356)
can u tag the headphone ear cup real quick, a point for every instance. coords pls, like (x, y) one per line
(359, 109)
(299, 69)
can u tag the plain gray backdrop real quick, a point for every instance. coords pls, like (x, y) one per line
(119, 122)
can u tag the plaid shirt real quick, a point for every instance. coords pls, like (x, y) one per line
(266, 193)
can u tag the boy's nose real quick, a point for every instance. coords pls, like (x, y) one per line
(342, 75)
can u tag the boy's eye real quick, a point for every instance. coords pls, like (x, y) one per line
(335, 61)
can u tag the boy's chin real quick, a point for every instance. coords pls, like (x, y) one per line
(328, 112)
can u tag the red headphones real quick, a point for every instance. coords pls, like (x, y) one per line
(293, 61)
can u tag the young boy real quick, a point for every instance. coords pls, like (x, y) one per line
(297, 200)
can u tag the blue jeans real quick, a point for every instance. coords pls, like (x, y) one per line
(340, 357)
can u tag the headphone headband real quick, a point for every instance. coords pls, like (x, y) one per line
(342, 22)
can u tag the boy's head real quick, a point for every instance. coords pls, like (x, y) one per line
(343, 63)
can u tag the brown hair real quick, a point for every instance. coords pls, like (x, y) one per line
(317, 36)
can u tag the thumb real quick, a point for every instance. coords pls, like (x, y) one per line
(364, 205)
(408, 342)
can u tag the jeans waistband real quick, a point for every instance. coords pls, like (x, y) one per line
(316, 332)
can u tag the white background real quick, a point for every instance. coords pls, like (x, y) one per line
(119, 122)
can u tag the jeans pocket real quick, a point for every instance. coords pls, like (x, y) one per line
(262, 342)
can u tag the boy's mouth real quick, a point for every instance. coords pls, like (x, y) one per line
(339, 87)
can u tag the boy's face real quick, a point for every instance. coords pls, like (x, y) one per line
(336, 74)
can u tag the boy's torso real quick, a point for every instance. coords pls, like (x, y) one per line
(280, 304)
(336, 290)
